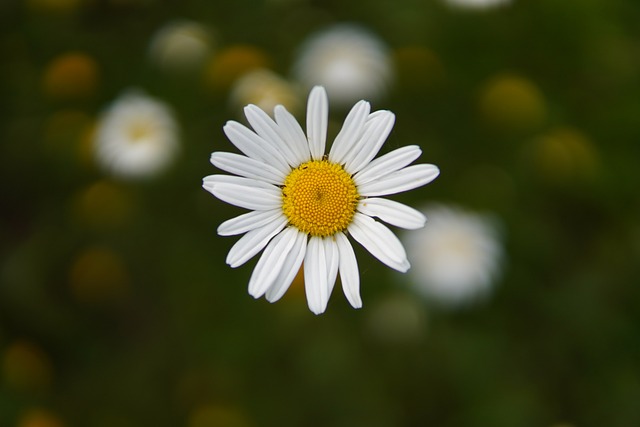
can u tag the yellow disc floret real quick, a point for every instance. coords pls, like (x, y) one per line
(319, 198)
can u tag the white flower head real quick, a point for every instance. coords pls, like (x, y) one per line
(304, 203)
(477, 4)
(457, 257)
(349, 61)
(137, 136)
(180, 45)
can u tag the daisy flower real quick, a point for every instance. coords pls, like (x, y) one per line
(136, 137)
(303, 204)
(457, 258)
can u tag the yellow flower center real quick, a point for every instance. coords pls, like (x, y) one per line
(319, 198)
(140, 130)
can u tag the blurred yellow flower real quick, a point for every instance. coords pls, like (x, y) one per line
(265, 89)
(512, 102)
(99, 276)
(72, 75)
(232, 62)
(26, 367)
(103, 205)
(418, 68)
(39, 418)
(564, 155)
(211, 415)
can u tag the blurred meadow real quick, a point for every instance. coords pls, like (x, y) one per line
(117, 307)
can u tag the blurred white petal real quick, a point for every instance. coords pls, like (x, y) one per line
(457, 257)
(136, 137)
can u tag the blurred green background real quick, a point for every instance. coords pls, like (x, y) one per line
(117, 308)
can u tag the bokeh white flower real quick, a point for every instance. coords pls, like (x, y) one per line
(457, 257)
(136, 137)
(477, 4)
(181, 45)
(303, 203)
(349, 61)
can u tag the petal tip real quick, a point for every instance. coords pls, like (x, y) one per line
(233, 263)
(404, 267)
(317, 88)
(254, 292)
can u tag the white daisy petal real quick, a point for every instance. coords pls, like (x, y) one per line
(356, 145)
(379, 241)
(388, 163)
(403, 180)
(252, 145)
(376, 131)
(292, 134)
(289, 269)
(350, 132)
(253, 242)
(333, 262)
(247, 222)
(239, 180)
(315, 275)
(317, 119)
(243, 192)
(247, 167)
(349, 275)
(244, 198)
(266, 128)
(392, 212)
(271, 262)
